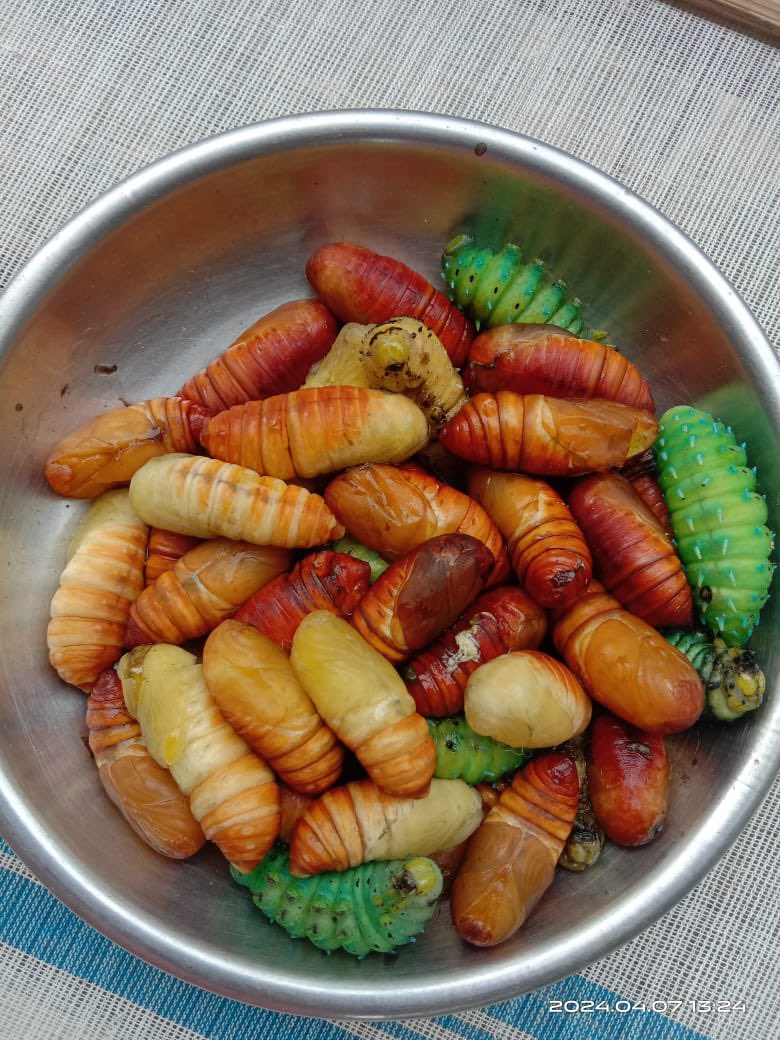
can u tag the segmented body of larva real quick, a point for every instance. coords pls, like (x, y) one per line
(719, 520)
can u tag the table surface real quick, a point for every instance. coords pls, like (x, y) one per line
(681, 109)
(759, 16)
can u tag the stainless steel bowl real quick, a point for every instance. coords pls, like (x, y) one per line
(159, 275)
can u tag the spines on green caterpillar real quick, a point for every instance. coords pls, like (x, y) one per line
(375, 907)
(733, 682)
(719, 520)
(584, 844)
(352, 547)
(499, 289)
(463, 754)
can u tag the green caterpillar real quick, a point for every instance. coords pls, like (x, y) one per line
(499, 289)
(463, 754)
(374, 907)
(733, 682)
(719, 520)
(352, 547)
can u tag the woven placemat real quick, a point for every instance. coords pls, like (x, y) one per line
(681, 109)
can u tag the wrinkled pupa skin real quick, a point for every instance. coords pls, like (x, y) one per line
(205, 586)
(144, 791)
(362, 698)
(206, 498)
(317, 430)
(499, 289)
(394, 509)
(233, 794)
(501, 620)
(373, 908)
(547, 436)
(510, 861)
(719, 520)
(549, 553)
(358, 823)
(733, 681)
(544, 359)
(640, 472)
(463, 754)
(106, 451)
(366, 287)
(255, 688)
(632, 553)
(102, 578)
(325, 580)
(271, 357)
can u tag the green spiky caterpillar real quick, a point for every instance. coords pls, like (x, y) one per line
(463, 754)
(719, 520)
(352, 547)
(371, 908)
(499, 289)
(733, 682)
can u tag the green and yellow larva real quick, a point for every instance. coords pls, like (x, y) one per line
(463, 754)
(719, 520)
(499, 289)
(733, 682)
(375, 907)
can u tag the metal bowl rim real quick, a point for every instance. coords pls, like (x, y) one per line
(486, 982)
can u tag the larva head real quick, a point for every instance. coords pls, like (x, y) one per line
(419, 876)
(374, 907)
(584, 844)
(735, 684)
(390, 342)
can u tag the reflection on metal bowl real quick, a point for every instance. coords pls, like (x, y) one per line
(156, 278)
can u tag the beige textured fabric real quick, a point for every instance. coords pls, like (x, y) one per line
(40, 1002)
(684, 111)
(718, 944)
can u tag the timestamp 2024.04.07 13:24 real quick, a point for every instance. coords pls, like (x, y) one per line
(660, 1007)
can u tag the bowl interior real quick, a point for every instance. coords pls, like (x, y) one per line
(158, 279)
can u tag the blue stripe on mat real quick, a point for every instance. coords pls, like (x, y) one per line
(33, 920)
